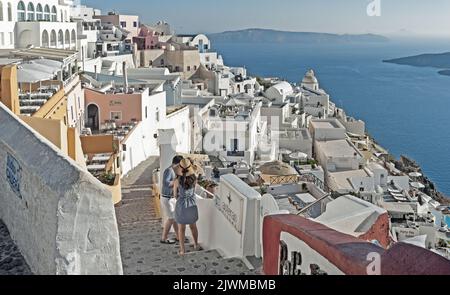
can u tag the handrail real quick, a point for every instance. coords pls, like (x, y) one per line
(350, 255)
(313, 204)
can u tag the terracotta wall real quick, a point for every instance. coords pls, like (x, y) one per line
(97, 144)
(129, 104)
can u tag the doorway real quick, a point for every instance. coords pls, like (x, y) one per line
(93, 117)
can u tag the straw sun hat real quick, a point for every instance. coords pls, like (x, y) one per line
(185, 168)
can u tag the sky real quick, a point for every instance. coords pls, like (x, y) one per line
(404, 17)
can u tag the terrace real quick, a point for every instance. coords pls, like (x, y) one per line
(31, 101)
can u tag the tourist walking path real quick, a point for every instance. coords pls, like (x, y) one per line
(140, 234)
(11, 260)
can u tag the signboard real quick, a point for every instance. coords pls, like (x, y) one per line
(13, 174)
(115, 103)
(231, 206)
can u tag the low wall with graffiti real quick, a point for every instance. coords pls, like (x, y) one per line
(230, 221)
(61, 218)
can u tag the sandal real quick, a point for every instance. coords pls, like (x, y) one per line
(198, 248)
(167, 242)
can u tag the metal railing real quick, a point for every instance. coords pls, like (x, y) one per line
(284, 179)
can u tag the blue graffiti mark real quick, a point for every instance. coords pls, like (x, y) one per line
(13, 174)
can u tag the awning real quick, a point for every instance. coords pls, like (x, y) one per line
(32, 76)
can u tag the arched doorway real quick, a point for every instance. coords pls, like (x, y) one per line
(92, 117)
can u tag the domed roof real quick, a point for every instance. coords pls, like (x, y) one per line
(310, 78)
(282, 88)
(277, 168)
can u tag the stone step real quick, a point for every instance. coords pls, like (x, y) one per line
(192, 263)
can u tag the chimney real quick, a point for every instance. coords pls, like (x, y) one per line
(125, 76)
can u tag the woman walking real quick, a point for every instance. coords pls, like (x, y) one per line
(186, 211)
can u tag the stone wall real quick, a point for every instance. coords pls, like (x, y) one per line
(61, 218)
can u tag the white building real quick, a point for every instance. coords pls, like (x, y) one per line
(84, 12)
(338, 155)
(199, 41)
(278, 93)
(233, 130)
(327, 129)
(43, 23)
(310, 81)
(353, 126)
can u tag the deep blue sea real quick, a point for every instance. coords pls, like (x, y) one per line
(407, 109)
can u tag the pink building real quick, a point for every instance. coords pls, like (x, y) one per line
(150, 38)
(119, 107)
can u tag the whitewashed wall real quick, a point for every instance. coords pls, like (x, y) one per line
(231, 227)
(61, 217)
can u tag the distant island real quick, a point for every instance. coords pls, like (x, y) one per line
(274, 36)
(439, 61)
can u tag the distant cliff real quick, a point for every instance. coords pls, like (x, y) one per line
(439, 61)
(274, 36)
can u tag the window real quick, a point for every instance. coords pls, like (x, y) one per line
(146, 116)
(30, 12)
(47, 13)
(45, 39)
(135, 24)
(183, 127)
(123, 24)
(188, 68)
(116, 116)
(157, 115)
(9, 12)
(162, 62)
(2, 38)
(67, 38)
(71, 113)
(79, 102)
(1, 11)
(54, 15)
(60, 38)
(11, 38)
(21, 12)
(39, 12)
(53, 38)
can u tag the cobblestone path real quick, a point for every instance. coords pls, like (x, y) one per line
(11, 260)
(140, 234)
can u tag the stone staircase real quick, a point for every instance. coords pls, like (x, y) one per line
(140, 234)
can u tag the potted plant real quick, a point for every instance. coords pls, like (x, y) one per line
(209, 185)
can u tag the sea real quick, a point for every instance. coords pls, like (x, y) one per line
(406, 109)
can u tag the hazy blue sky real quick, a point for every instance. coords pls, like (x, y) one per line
(334, 16)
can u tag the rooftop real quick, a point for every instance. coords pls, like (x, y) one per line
(61, 55)
(338, 148)
(343, 178)
(327, 124)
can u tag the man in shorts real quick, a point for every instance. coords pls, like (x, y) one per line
(169, 177)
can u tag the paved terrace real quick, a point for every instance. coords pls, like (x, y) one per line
(11, 260)
(140, 234)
